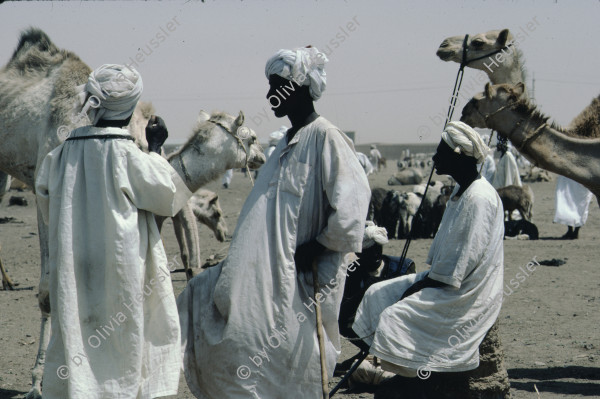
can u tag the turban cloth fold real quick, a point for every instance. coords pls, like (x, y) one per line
(304, 66)
(374, 234)
(117, 88)
(463, 139)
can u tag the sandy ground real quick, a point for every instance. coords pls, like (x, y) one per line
(549, 325)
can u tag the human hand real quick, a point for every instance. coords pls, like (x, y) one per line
(305, 254)
(156, 133)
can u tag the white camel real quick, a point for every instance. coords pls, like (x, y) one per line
(39, 101)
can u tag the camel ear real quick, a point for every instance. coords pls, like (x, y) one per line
(239, 121)
(203, 116)
(503, 37)
(489, 91)
(213, 200)
(518, 89)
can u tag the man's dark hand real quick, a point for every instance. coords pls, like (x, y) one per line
(424, 283)
(305, 254)
(156, 133)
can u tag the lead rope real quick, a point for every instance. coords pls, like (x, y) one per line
(457, 83)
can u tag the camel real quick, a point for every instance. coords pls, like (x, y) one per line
(39, 102)
(206, 208)
(482, 50)
(511, 70)
(505, 109)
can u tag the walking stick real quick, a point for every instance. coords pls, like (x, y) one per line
(320, 337)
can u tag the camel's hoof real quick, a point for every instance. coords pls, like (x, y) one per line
(34, 394)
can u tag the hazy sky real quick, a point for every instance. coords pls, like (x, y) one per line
(384, 80)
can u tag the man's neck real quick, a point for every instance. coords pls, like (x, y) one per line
(299, 120)
(465, 179)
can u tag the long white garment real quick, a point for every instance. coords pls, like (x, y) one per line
(248, 324)
(488, 168)
(115, 329)
(440, 329)
(571, 202)
(507, 172)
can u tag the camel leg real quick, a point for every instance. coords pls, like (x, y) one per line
(180, 236)
(44, 303)
(192, 239)
(6, 281)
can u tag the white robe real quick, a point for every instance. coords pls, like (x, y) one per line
(571, 202)
(488, 169)
(248, 324)
(440, 329)
(115, 329)
(507, 172)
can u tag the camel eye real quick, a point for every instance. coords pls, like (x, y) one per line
(477, 43)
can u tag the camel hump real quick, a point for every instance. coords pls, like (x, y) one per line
(34, 37)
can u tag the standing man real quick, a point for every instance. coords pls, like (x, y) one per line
(571, 205)
(115, 332)
(412, 322)
(375, 157)
(507, 171)
(248, 324)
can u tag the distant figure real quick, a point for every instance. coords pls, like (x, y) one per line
(227, 178)
(507, 171)
(375, 156)
(571, 205)
(365, 163)
(274, 139)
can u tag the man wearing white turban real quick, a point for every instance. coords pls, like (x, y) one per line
(115, 329)
(254, 312)
(436, 320)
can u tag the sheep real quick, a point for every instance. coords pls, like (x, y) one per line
(519, 198)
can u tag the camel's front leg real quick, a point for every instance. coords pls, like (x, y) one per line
(186, 231)
(44, 303)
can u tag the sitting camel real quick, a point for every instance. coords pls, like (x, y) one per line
(39, 101)
(505, 109)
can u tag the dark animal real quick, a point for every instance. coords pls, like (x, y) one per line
(377, 196)
(514, 228)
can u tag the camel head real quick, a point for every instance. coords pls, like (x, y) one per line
(479, 45)
(225, 136)
(206, 208)
(483, 110)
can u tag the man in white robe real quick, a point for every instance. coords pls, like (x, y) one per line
(248, 324)
(571, 203)
(375, 156)
(507, 171)
(436, 320)
(115, 328)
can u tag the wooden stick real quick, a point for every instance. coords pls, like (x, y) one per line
(320, 335)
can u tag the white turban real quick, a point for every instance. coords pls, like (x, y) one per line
(277, 135)
(374, 234)
(464, 140)
(117, 87)
(304, 66)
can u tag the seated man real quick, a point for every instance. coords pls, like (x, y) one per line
(436, 320)
(370, 267)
